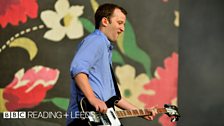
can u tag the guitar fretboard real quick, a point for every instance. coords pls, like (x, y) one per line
(138, 112)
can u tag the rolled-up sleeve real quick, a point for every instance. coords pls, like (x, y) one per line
(79, 68)
(88, 53)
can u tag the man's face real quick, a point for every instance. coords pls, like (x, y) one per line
(116, 25)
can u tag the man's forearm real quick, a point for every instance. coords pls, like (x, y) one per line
(123, 104)
(83, 83)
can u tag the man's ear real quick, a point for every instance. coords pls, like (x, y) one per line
(104, 21)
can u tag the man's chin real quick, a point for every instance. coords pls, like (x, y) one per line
(113, 40)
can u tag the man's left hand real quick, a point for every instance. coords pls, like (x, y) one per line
(151, 117)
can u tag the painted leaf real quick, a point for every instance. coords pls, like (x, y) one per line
(117, 58)
(27, 44)
(87, 24)
(132, 50)
(94, 4)
(59, 102)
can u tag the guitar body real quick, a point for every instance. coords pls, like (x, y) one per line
(88, 107)
(100, 119)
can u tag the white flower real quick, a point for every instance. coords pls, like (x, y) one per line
(130, 85)
(63, 22)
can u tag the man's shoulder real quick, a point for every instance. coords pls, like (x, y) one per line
(94, 38)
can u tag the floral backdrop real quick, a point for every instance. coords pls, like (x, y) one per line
(38, 40)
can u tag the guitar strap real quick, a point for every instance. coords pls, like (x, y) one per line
(115, 83)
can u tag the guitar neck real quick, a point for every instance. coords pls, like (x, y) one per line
(138, 112)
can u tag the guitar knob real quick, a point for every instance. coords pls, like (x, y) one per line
(173, 119)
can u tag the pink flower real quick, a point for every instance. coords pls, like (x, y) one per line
(165, 87)
(29, 89)
(14, 11)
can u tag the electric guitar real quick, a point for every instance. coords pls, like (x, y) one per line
(111, 118)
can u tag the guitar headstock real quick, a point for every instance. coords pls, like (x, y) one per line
(172, 111)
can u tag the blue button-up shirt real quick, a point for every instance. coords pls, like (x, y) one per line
(92, 58)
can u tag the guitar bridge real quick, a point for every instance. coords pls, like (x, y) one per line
(94, 117)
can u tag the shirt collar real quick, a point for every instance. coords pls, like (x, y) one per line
(109, 44)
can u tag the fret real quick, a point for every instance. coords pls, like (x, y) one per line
(141, 112)
(123, 113)
(135, 112)
(128, 112)
(118, 113)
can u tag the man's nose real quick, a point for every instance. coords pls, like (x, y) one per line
(122, 28)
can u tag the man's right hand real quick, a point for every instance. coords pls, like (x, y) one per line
(99, 105)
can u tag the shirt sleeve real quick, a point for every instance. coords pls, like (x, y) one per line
(90, 51)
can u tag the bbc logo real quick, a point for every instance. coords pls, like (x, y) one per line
(14, 115)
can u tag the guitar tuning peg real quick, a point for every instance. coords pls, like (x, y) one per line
(175, 119)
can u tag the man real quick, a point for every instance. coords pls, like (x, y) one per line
(90, 68)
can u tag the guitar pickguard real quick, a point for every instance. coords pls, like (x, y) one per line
(108, 119)
(100, 119)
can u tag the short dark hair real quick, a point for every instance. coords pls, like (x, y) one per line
(106, 10)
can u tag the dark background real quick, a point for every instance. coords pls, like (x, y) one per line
(201, 78)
